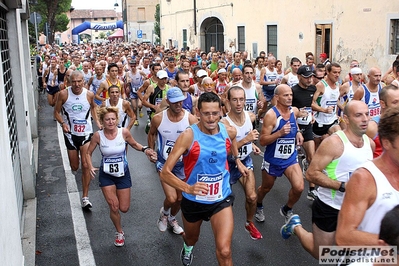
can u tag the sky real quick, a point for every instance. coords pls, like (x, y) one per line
(96, 4)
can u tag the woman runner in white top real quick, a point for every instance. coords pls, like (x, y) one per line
(114, 175)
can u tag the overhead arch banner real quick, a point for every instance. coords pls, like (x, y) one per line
(94, 26)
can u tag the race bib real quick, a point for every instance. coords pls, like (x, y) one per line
(285, 147)
(333, 104)
(215, 185)
(245, 150)
(114, 166)
(306, 119)
(250, 105)
(78, 126)
(158, 101)
(374, 110)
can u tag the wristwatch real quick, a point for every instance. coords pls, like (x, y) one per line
(342, 187)
(144, 148)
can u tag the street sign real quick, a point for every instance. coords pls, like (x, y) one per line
(32, 18)
(139, 34)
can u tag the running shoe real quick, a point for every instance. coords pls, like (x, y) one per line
(287, 229)
(162, 221)
(86, 204)
(175, 226)
(253, 232)
(287, 214)
(186, 258)
(259, 216)
(136, 123)
(119, 239)
(312, 195)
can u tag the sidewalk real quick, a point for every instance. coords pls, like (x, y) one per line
(54, 227)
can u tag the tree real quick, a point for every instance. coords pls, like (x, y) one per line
(53, 13)
(102, 35)
(157, 24)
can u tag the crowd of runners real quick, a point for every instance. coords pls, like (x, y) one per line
(208, 113)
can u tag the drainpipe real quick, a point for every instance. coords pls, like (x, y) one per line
(195, 17)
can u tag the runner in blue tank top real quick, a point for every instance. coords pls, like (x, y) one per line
(280, 134)
(206, 190)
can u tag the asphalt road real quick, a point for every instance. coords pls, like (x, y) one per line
(65, 239)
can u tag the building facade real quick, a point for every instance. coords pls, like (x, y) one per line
(138, 18)
(79, 16)
(18, 136)
(345, 30)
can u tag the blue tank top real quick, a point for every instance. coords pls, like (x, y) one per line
(188, 103)
(282, 152)
(206, 161)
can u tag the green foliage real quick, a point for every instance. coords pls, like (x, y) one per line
(157, 24)
(102, 35)
(53, 12)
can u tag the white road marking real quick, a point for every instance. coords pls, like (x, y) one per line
(85, 253)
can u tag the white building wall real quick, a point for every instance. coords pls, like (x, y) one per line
(10, 233)
(360, 30)
(11, 223)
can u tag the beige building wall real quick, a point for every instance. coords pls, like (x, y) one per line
(359, 30)
(140, 16)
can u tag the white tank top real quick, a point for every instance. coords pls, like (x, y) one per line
(329, 98)
(95, 84)
(242, 131)
(372, 99)
(342, 168)
(52, 78)
(257, 74)
(123, 117)
(136, 81)
(168, 132)
(387, 198)
(271, 76)
(197, 91)
(251, 98)
(292, 80)
(113, 153)
(86, 76)
(76, 112)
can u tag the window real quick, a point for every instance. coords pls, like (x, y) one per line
(141, 14)
(104, 19)
(272, 39)
(95, 19)
(184, 38)
(323, 39)
(96, 31)
(241, 38)
(394, 36)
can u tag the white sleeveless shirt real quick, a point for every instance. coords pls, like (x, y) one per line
(123, 117)
(76, 112)
(242, 131)
(387, 198)
(342, 168)
(113, 152)
(168, 132)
